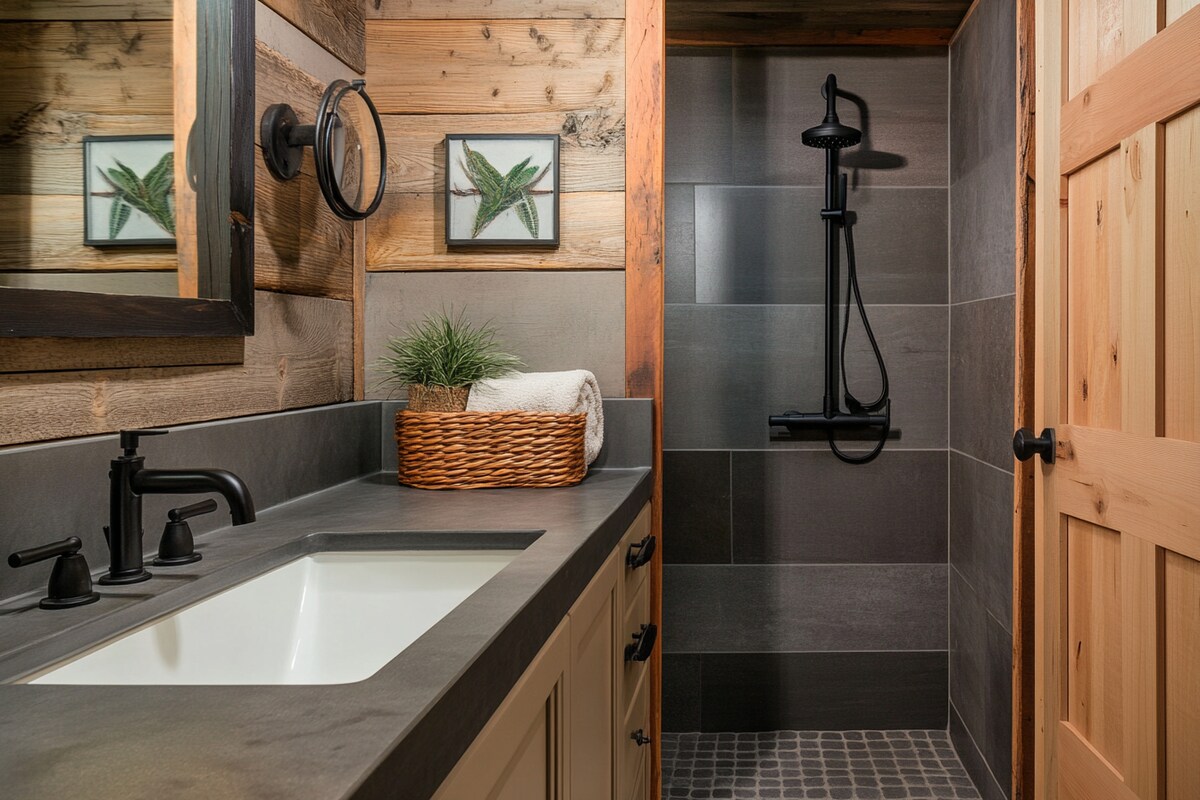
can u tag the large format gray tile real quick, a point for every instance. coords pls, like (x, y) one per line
(679, 259)
(766, 244)
(983, 154)
(60, 489)
(981, 674)
(681, 691)
(776, 95)
(798, 507)
(973, 761)
(699, 116)
(983, 79)
(763, 608)
(981, 379)
(696, 507)
(981, 524)
(552, 320)
(729, 367)
(983, 230)
(822, 691)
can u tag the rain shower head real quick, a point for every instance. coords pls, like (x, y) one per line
(831, 134)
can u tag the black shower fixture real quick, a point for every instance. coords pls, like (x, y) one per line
(832, 136)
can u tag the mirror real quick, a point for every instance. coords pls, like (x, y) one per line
(126, 168)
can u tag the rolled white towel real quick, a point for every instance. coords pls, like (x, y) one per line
(572, 392)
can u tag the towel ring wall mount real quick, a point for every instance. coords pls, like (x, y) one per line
(339, 149)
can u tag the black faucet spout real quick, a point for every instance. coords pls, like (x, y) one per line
(198, 481)
(129, 480)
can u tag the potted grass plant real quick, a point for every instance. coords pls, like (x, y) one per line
(439, 358)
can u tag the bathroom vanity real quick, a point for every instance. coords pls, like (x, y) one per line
(523, 689)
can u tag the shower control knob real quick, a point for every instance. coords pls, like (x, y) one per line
(1025, 444)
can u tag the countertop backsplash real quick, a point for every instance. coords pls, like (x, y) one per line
(58, 489)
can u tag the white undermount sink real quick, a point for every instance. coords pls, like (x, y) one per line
(324, 618)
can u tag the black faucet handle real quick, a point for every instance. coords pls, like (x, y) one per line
(129, 438)
(70, 579)
(194, 510)
(177, 547)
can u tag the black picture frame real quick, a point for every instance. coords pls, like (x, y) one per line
(220, 154)
(514, 242)
(89, 176)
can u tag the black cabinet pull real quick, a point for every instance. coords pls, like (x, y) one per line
(640, 737)
(70, 579)
(643, 643)
(639, 554)
(1025, 445)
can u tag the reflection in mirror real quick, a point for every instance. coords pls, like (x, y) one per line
(97, 102)
(87, 163)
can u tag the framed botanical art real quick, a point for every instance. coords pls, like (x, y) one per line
(502, 190)
(129, 191)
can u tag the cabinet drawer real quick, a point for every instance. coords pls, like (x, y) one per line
(633, 579)
(635, 757)
(632, 672)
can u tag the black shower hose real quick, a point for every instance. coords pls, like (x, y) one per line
(882, 402)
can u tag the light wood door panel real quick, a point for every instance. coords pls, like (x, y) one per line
(1181, 290)
(1117, 373)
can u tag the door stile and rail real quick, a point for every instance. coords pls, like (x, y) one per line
(1117, 376)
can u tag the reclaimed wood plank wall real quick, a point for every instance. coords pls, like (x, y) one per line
(498, 66)
(70, 73)
(302, 353)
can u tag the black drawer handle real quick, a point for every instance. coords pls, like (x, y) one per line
(643, 643)
(640, 737)
(639, 554)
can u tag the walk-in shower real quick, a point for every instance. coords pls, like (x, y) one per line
(832, 136)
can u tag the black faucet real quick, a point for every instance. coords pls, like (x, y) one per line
(128, 481)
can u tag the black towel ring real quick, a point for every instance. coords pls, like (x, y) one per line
(284, 139)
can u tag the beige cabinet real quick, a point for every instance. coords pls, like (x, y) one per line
(577, 724)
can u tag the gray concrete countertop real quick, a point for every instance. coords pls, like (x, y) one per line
(395, 735)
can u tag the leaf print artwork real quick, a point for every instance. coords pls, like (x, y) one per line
(498, 194)
(150, 194)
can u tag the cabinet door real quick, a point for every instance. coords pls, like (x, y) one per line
(519, 754)
(592, 687)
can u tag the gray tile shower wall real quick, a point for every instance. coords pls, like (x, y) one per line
(60, 489)
(982, 295)
(801, 592)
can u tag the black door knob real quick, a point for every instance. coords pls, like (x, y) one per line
(1025, 444)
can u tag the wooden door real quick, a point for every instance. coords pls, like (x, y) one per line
(593, 688)
(1118, 378)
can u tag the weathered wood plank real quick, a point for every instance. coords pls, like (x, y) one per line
(79, 10)
(300, 246)
(495, 66)
(496, 9)
(336, 25)
(56, 355)
(645, 204)
(592, 155)
(301, 356)
(45, 232)
(43, 151)
(408, 233)
(101, 67)
(781, 34)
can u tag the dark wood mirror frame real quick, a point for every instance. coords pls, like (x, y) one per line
(228, 268)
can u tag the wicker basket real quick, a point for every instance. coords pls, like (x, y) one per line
(487, 450)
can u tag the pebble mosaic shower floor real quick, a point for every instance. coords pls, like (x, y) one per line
(832, 765)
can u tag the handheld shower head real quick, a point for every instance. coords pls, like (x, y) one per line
(831, 134)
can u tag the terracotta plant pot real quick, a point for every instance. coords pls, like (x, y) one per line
(437, 398)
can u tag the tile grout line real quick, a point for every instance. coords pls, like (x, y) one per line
(962, 303)
(978, 460)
